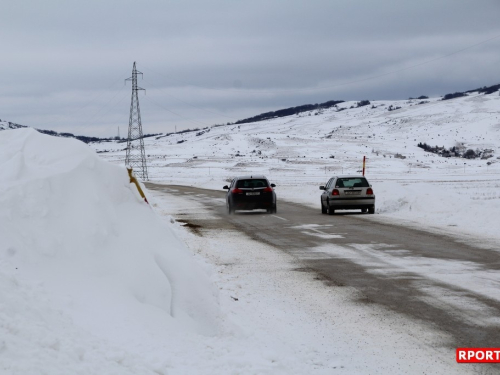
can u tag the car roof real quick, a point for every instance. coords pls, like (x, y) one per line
(257, 176)
(350, 176)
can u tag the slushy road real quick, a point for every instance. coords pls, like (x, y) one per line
(449, 285)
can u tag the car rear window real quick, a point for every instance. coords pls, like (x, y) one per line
(352, 182)
(253, 183)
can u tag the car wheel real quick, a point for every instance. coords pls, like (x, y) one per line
(230, 209)
(363, 210)
(371, 210)
(275, 209)
(323, 208)
(331, 210)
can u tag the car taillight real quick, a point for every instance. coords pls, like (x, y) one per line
(237, 191)
(369, 191)
(335, 192)
(268, 190)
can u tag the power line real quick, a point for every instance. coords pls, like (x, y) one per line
(106, 105)
(96, 96)
(192, 105)
(174, 113)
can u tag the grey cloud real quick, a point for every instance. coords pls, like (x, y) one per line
(63, 63)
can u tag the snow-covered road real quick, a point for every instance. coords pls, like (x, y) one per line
(334, 298)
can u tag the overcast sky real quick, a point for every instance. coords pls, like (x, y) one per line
(63, 63)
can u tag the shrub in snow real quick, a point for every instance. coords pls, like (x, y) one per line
(393, 108)
(470, 154)
(362, 103)
(459, 150)
(454, 95)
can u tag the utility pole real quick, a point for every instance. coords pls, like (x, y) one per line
(136, 156)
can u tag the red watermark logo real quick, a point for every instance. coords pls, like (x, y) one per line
(478, 355)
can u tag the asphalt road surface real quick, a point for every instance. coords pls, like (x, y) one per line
(358, 251)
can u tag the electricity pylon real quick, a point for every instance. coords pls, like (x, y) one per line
(136, 156)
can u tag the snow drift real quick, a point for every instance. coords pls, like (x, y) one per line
(82, 257)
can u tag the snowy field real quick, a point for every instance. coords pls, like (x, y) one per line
(95, 281)
(299, 153)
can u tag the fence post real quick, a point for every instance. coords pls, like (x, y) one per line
(134, 180)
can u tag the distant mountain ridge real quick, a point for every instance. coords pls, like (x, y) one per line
(290, 111)
(4, 125)
(310, 107)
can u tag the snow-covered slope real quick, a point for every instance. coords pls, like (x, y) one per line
(90, 277)
(300, 152)
(93, 282)
(5, 125)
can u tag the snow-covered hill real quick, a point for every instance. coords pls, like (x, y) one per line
(302, 151)
(92, 281)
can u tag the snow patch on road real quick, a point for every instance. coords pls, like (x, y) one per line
(391, 261)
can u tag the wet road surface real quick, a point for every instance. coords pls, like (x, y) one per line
(451, 286)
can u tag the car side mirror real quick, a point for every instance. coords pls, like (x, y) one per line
(226, 187)
(273, 185)
(321, 187)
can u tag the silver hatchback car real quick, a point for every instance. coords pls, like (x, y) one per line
(347, 193)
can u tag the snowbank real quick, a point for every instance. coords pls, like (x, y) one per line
(86, 265)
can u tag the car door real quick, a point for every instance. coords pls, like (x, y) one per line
(229, 191)
(324, 196)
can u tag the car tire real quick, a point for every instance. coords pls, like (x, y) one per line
(230, 209)
(331, 211)
(275, 209)
(364, 210)
(371, 210)
(323, 208)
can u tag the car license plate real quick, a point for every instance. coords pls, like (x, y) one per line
(253, 193)
(352, 192)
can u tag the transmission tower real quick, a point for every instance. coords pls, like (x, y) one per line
(136, 156)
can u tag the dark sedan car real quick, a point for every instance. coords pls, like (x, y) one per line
(250, 193)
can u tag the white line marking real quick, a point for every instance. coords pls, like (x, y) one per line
(280, 217)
